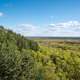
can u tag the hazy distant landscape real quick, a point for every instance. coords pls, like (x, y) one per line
(55, 38)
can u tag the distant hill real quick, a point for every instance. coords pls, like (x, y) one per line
(54, 38)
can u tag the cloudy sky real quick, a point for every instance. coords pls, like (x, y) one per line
(41, 17)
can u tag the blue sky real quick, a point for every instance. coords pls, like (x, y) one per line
(41, 17)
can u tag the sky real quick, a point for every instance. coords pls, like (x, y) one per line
(41, 17)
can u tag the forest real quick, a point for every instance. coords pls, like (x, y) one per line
(37, 59)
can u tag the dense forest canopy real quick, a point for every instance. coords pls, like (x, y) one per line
(24, 59)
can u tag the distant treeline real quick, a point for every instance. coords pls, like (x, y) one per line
(59, 38)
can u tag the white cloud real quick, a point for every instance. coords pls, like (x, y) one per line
(26, 29)
(1, 14)
(70, 28)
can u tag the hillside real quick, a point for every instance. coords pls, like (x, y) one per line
(44, 59)
(16, 61)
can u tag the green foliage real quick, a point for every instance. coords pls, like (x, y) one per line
(24, 59)
(60, 61)
(16, 61)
